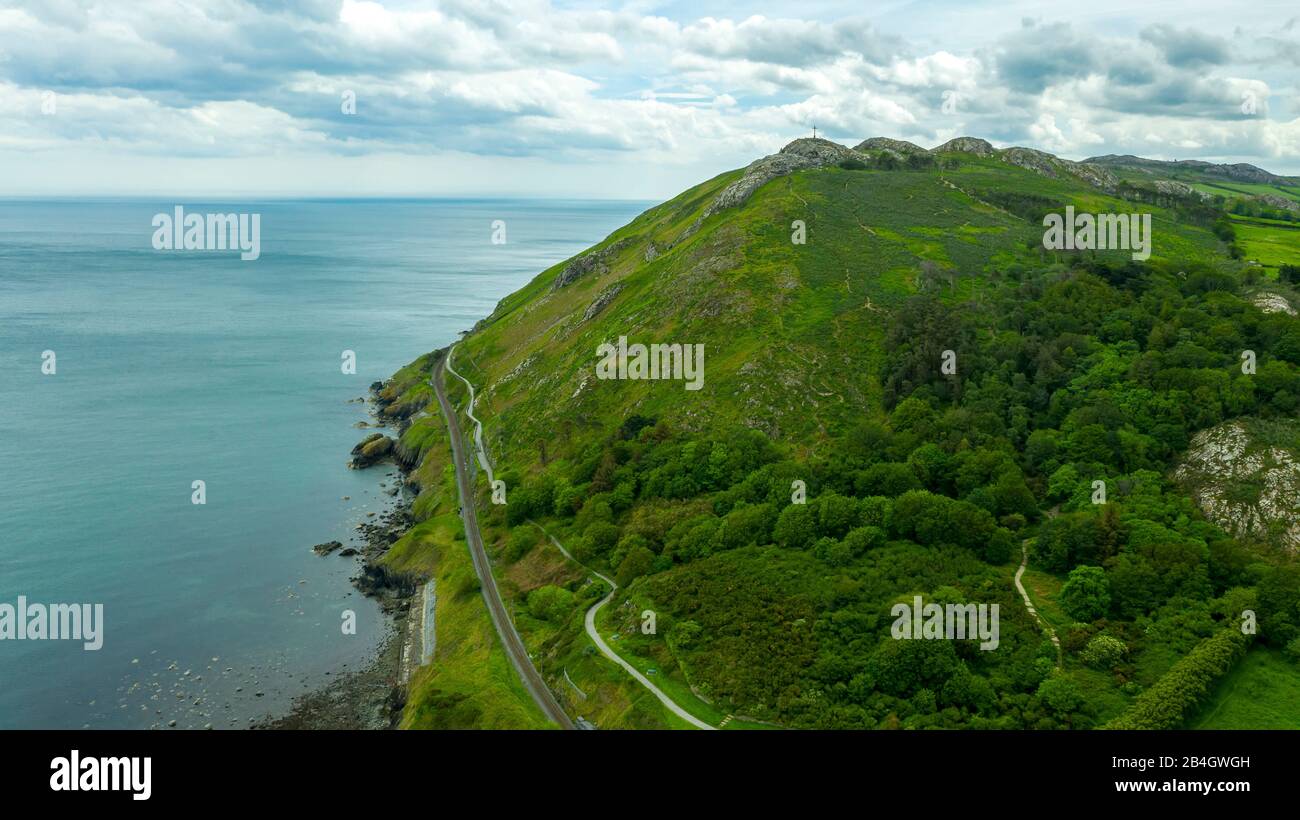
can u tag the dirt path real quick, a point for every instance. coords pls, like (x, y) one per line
(1029, 605)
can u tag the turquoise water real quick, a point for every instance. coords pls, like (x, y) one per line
(176, 366)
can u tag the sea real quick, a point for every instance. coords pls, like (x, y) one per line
(129, 373)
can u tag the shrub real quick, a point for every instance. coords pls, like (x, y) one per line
(1185, 685)
(794, 527)
(550, 603)
(1103, 652)
(639, 561)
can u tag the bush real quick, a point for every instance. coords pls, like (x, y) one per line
(550, 603)
(1060, 694)
(602, 536)
(467, 586)
(522, 540)
(794, 528)
(861, 539)
(1103, 652)
(1185, 685)
(1292, 650)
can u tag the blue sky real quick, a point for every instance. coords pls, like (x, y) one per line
(635, 100)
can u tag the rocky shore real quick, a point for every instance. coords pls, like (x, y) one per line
(373, 696)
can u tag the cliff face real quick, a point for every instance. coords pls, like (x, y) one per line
(1245, 475)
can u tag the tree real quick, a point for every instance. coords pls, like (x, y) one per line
(603, 536)
(1103, 652)
(1086, 594)
(550, 603)
(1060, 694)
(861, 539)
(836, 514)
(639, 561)
(522, 540)
(794, 527)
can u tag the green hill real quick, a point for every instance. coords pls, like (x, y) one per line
(830, 287)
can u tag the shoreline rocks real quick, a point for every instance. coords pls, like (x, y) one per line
(370, 450)
(327, 548)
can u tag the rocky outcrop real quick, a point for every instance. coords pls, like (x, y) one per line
(1246, 481)
(1239, 171)
(1279, 202)
(1272, 303)
(370, 450)
(1038, 161)
(799, 155)
(757, 174)
(1050, 165)
(887, 144)
(327, 547)
(596, 262)
(1170, 187)
(820, 151)
(602, 300)
(966, 145)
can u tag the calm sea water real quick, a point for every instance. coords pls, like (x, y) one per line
(181, 366)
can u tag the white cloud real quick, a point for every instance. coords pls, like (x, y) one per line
(622, 88)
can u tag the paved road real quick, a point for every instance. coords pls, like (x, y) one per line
(614, 656)
(500, 618)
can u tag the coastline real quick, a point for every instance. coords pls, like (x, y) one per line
(373, 696)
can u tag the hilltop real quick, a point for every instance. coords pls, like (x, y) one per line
(1240, 171)
(901, 387)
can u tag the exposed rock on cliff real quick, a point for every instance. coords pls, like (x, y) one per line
(1245, 475)
(798, 155)
(602, 300)
(1272, 303)
(597, 261)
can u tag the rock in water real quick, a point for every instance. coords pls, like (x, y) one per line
(370, 450)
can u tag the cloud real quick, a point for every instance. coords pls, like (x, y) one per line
(537, 81)
(1187, 47)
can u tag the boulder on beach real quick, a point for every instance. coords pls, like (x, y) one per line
(371, 449)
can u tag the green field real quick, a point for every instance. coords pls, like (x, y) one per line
(1270, 246)
(1262, 692)
(1231, 189)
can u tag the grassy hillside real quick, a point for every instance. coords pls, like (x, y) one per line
(831, 467)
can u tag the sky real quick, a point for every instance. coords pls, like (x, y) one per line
(636, 100)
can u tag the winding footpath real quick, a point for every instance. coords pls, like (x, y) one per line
(510, 639)
(471, 524)
(1029, 605)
